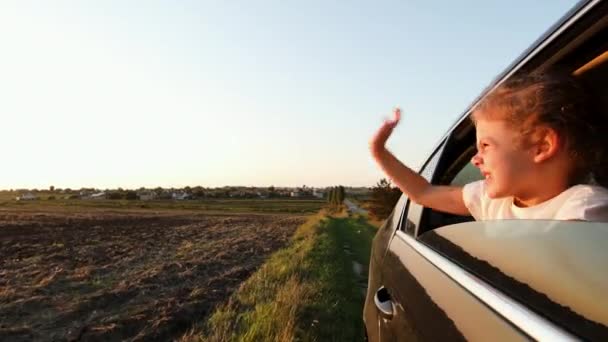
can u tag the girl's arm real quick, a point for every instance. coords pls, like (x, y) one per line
(442, 198)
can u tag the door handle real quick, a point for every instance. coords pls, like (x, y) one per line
(384, 303)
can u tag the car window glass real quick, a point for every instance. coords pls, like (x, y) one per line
(467, 175)
(431, 165)
(552, 267)
(414, 211)
(398, 211)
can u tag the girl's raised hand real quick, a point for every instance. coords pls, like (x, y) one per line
(379, 139)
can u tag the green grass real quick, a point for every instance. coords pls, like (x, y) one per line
(307, 291)
(292, 206)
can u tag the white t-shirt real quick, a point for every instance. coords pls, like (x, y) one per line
(579, 202)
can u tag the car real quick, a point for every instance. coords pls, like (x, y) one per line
(442, 277)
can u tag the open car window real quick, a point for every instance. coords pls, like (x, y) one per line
(555, 268)
(454, 169)
(468, 174)
(413, 211)
(590, 65)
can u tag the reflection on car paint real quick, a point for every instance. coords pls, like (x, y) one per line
(452, 306)
(564, 266)
(417, 308)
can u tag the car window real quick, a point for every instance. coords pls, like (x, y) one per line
(413, 210)
(555, 268)
(468, 174)
(455, 169)
(430, 166)
(397, 213)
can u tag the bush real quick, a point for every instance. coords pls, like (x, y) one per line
(131, 195)
(383, 199)
(115, 195)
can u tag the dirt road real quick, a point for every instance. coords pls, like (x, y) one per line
(353, 208)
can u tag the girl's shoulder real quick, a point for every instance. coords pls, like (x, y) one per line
(584, 202)
(585, 195)
(587, 190)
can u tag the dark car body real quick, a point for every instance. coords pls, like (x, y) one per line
(442, 277)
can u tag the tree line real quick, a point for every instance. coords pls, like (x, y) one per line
(335, 196)
(384, 196)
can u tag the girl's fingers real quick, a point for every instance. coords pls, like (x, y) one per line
(384, 132)
(397, 113)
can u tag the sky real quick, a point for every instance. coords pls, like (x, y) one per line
(252, 93)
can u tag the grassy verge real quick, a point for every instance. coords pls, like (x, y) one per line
(377, 223)
(374, 221)
(307, 291)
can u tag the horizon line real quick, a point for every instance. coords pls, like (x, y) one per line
(13, 189)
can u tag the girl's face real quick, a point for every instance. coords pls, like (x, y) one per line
(505, 164)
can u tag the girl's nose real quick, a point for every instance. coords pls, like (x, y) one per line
(476, 160)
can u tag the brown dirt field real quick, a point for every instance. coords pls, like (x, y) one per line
(68, 276)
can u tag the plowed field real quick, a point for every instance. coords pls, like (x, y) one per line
(103, 275)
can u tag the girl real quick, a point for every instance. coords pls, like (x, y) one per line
(540, 142)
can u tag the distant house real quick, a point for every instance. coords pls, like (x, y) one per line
(26, 197)
(147, 195)
(85, 193)
(164, 195)
(283, 193)
(262, 194)
(180, 196)
(98, 196)
(318, 193)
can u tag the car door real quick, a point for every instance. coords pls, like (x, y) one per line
(425, 303)
(508, 280)
(379, 248)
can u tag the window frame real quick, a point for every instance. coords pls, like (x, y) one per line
(520, 316)
(460, 147)
(552, 240)
(457, 141)
(413, 211)
(400, 209)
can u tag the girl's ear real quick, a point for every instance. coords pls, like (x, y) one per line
(547, 144)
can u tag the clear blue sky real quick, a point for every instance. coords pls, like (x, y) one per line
(212, 93)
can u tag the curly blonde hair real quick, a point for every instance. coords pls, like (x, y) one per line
(559, 101)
